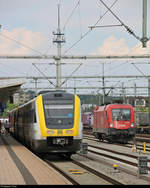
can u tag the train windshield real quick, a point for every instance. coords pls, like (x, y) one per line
(122, 114)
(59, 114)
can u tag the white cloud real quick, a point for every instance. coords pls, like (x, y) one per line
(30, 39)
(38, 42)
(139, 50)
(113, 46)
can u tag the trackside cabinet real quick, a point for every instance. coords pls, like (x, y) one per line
(142, 165)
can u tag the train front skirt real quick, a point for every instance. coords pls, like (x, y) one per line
(57, 145)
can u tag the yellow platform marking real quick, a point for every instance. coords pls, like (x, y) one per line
(76, 171)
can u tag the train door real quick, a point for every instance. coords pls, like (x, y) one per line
(16, 124)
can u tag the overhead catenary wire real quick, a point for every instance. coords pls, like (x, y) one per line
(117, 66)
(127, 28)
(138, 69)
(26, 46)
(86, 33)
(12, 68)
(20, 43)
(71, 74)
(43, 74)
(80, 23)
(72, 12)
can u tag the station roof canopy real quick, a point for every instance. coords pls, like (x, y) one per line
(8, 87)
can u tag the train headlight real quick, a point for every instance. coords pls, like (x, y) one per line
(69, 131)
(111, 124)
(50, 132)
(132, 124)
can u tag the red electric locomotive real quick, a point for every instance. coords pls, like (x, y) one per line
(114, 123)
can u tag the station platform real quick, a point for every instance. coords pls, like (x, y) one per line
(19, 166)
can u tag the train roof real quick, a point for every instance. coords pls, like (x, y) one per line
(118, 104)
(58, 94)
(51, 91)
(52, 95)
(105, 107)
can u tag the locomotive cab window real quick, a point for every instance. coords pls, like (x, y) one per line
(59, 113)
(121, 114)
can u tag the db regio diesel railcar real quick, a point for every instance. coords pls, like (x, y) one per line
(114, 123)
(51, 122)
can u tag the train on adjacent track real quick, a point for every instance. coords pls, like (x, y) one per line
(49, 123)
(114, 123)
(142, 122)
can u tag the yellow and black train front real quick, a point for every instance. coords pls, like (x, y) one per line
(59, 116)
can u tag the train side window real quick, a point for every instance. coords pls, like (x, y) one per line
(34, 117)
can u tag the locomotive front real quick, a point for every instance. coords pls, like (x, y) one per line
(114, 122)
(121, 122)
(60, 122)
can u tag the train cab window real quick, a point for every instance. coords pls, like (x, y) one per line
(121, 114)
(60, 114)
(59, 111)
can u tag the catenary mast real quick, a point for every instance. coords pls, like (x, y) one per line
(59, 39)
(144, 38)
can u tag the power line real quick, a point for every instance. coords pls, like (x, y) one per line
(138, 69)
(43, 74)
(127, 28)
(80, 23)
(85, 34)
(72, 74)
(72, 12)
(24, 45)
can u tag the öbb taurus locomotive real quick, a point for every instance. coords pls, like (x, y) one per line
(51, 122)
(114, 122)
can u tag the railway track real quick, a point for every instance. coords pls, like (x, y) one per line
(123, 159)
(96, 168)
(143, 138)
(139, 146)
(115, 155)
(81, 174)
(140, 138)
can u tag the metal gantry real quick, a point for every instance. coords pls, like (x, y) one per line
(59, 39)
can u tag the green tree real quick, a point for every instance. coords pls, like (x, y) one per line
(8, 108)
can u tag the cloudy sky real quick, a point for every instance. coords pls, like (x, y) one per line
(32, 22)
(27, 27)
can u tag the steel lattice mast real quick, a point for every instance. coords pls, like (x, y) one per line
(59, 40)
